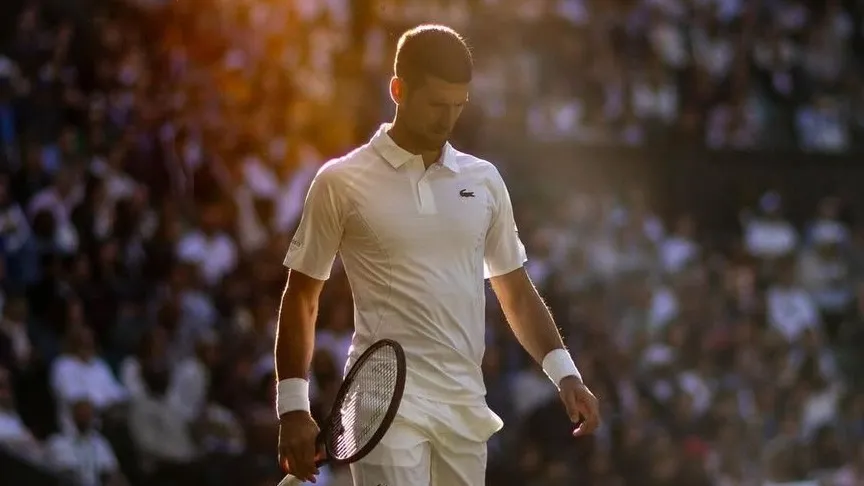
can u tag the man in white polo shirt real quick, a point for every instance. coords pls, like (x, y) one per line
(418, 225)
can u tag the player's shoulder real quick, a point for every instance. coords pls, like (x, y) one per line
(341, 168)
(479, 169)
(473, 165)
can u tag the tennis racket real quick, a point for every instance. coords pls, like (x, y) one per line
(364, 408)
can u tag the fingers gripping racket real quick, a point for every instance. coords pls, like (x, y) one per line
(364, 408)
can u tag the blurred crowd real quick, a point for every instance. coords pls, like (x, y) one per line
(155, 156)
(727, 74)
(727, 365)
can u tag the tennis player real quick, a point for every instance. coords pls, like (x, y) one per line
(418, 225)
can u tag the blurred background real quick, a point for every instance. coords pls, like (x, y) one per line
(687, 180)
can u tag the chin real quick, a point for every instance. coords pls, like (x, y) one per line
(435, 142)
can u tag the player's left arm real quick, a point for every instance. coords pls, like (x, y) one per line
(527, 314)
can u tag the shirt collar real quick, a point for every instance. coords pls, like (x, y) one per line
(397, 156)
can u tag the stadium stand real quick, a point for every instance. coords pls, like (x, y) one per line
(685, 174)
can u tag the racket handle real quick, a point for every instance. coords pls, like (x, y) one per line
(290, 480)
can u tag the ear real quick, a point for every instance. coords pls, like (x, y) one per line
(397, 90)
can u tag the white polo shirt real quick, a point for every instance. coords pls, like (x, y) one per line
(416, 245)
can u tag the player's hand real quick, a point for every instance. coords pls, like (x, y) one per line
(581, 405)
(298, 435)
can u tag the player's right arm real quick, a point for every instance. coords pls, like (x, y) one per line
(309, 260)
(295, 341)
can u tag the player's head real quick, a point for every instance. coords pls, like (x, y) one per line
(432, 71)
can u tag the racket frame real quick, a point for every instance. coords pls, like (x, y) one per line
(389, 415)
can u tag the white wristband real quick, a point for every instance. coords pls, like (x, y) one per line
(558, 365)
(292, 394)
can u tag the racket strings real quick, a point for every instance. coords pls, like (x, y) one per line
(365, 404)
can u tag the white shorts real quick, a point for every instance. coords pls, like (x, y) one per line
(430, 444)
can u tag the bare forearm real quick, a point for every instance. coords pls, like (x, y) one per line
(295, 335)
(533, 325)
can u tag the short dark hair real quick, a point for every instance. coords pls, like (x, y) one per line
(433, 50)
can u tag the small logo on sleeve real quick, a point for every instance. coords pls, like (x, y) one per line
(466, 193)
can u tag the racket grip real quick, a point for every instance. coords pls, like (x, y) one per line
(290, 480)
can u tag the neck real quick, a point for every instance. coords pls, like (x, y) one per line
(407, 141)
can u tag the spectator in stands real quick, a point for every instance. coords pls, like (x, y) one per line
(209, 248)
(119, 184)
(679, 250)
(825, 272)
(185, 311)
(190, 380)
(767, 234)
(828, 220)
(152, 353)
(161, 434)
(82, 452)
(80, 373)
(823, 125)
(59, 198)
(220, 434)
(791, 309)
(51, 220)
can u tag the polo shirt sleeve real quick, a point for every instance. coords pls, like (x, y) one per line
(319, 235)
(504, 251)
